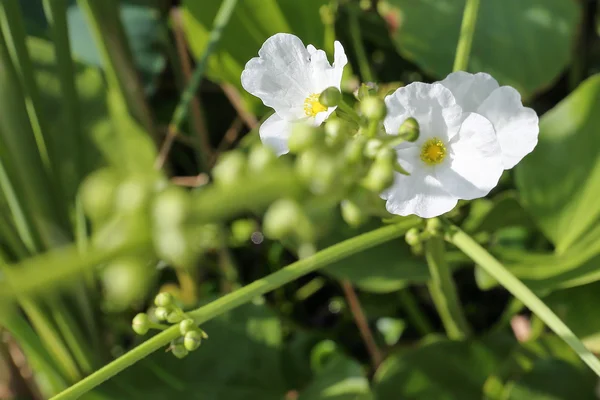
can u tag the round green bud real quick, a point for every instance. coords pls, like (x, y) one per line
(179, 350)
(306, 162)
(379, 177)
(126, 281)
(304, 137)
(98, 193)
(187, 325)
(352, 213)
(330, 97)
(281, 219)
(413, 237)
(141, 324)
(409, 130)
(161, 313)
(173, 246)
(434, 226)
(133, 193)
(192, 340)
(386, 155)
(174, 317)
(242, 230)
(373, 147)
(230, 168)
(326, 172)
(373, 108)
(170, 207)
(260, 158)
(163, 299)
(354, 151)
(335, 132)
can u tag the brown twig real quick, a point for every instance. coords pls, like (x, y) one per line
(232, 133)
(362, 323)
(191, 181)
(236, 101)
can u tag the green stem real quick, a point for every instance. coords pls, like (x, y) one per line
(238, 298)
(342, 105)
(415, 315)
(443, 291)
(361, 55)
(495, 269)
(467, 31)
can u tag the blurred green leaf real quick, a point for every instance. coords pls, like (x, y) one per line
(341, 379)
(381, 269)
(252, 22)
(525, 44)
(560, 181)
(502, 211)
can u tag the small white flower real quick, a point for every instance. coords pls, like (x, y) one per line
(289, 77)
(470, 131)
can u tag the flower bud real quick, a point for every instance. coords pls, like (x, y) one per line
(163, 299)
(365, 90)
(306, 162)
(133, 193)
(304, 137)
(98, 193)
(352, 213)
(379, 177)
(281, 218)
(373, 108)
(230, 168)
(141, 324)
(260, 158)
(170, 207)
(386, 156)
(372, 147)
(409, 130)
(413, 237)
(192, 340)
(335, 132)
(434, 226)
(126, 281)
(161, 313)
(179, 350)
(353, 153)
(187, 325)
(175, 316)
(242, 230)
(330, 97)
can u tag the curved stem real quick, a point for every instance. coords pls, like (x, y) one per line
(238, 298)
(467, 31)
(361, 55)
(443, 291)
(495, 269)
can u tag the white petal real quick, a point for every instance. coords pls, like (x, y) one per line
(474, 163)
(281, 75)
(516, 126)
(419, 193)
(323, 74)
(275, 132)
(470, 90)
(432, 105)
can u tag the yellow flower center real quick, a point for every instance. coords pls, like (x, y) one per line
(433, 151)
(312, 106)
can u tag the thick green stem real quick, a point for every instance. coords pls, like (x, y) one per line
(361, 55)
(467, 31)
(238, 298)
(443, 291)
(495, 269)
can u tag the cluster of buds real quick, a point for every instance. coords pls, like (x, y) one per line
(168, 311)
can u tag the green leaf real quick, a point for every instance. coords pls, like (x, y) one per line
(381, 269)
(559, 182)
(252, 22)
(525, 44)
(502, 211)
(341, 379)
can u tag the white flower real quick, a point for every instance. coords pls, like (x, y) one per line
(470, 131)
(289, 77)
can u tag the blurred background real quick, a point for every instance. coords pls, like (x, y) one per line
(115, 106)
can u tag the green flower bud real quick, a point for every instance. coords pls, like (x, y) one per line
(365, 90)
(304, 137)
(325, 175)
(373, 108)
(330, 97)
(306, 162)
(434, 226)
(281, 219)
(409, 130)
(379, 177)
(413, 237)
(192, 340)
(187, 325)
(386, 156)
(260, 158)
(352, 213)
(335, 132)
(98, 193)
(161, 313)
(179, 350)
(126, 281)
(170, 207)
(164, 299)
(242, 230)
(354, 151)
(141, 324)
(133, 193)
(230, 168)
(174, 317)
(373, 147)
(173, 246)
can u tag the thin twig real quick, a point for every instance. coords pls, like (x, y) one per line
(232, 133)
(236, 101)
(361, 323)
(186, 67)
(191, 181)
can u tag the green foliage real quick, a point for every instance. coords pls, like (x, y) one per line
(524, 44)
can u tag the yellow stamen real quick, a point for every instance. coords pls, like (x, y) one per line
(433, 151)
(312, 106)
